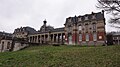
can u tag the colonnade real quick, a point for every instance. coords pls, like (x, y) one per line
(47, 38)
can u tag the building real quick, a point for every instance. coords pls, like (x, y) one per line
(88, 29)
(4, 34)
(113, 38)
(12, 44)
(23, 32)
(47, 35)
(6, 44)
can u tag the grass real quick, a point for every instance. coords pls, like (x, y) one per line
(62, 56)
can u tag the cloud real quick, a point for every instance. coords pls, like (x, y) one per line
(17, 13)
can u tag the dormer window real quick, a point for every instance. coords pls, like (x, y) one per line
(93, 17)
(79, 19)
(86, 17)
(69, 20)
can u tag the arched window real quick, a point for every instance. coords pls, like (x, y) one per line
(2, 45)
(8, 45)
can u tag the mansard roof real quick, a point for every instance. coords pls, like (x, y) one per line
(98, 16)
(51, 31)
(30, 30)
(47, 28)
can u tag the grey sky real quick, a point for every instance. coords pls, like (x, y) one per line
(17, 13)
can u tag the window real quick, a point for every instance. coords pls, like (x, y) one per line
(93, 17)
(2, 46)
(86, 27)
(80, 28)
(69, 20)
(87, 37)
(80, 37)
(94, 27)
(100, 37)
(79, 19)
(86, 18)
(94, 37)
(8, 45)
(2, 43)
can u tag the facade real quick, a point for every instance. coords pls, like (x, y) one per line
(12, 44)
(47, 35)
(23, 32)
(4, 34)
(5, 45)
(114, 39)
(85, 30)
(88, 29)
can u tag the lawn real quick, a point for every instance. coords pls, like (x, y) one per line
(62, 56)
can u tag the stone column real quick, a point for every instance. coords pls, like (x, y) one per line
(33, 39)
(44, 39)
(48, 38)
(57, 38)
(53, 38)
(40, 39)
(37, 39)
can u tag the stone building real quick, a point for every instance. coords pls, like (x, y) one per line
(88, 29)
(5, 44)
(4, 34)
(47, 35)
(12, 44)
(23, 32)
(113, 38)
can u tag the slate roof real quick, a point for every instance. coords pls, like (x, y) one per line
(30, 30)
(5, 34)
(98, 16)
(115, 33)
(51, 31)
(58, 29)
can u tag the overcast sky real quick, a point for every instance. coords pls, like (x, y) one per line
(17, 13)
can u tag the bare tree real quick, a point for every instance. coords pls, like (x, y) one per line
(113, 7)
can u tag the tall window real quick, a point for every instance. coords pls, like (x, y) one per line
(86, 27)
(80, 28)
(86, 18)
(69, 20)
(80, 37)
(93, 17)
(94, 27)
(87, 37)
(2, 46)
(8, 45)
(79, 19)
(94, 37)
